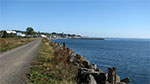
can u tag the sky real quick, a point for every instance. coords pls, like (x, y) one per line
(93, 18)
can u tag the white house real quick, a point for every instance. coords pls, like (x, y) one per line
(11, 32)
(43, 36)
(21, 34)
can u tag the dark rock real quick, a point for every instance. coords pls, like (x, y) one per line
(126, 80)
(86, 64)
(86, 78)
(82, 76)
(100, 78)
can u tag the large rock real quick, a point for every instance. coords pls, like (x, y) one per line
(91, 80)
(99, 77)
(126, 80)
(82, 76)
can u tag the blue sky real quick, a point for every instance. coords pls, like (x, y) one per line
(95, 18)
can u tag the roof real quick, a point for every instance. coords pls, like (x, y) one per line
(11, 32)
(43, 35)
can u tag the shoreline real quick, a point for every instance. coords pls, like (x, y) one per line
(90, 73)
(83, 38)
(90, 38)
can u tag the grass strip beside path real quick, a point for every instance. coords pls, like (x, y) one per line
(50, 67)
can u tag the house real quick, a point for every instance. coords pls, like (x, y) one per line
(21, 34)
(43, 36)
(11, 32)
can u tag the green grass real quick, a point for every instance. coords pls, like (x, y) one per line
(46, 69)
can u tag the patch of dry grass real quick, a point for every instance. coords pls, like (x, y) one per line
(9, 43)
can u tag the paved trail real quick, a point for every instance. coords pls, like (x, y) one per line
(14, 63)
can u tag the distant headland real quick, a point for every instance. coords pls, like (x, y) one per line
(89, 38)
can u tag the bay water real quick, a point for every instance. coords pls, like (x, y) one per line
(131, 57)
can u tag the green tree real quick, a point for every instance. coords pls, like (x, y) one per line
(54, 33)
(29, 30)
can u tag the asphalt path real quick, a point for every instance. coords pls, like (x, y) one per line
(15, 63)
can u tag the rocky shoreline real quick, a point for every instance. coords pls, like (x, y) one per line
(89, 73)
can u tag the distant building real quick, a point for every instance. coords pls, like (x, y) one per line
(11, 32)
(43, 36)
(21, 34)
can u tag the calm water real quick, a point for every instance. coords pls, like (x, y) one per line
(130, 56)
